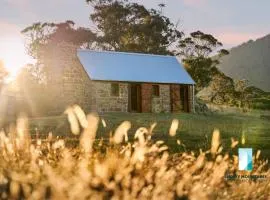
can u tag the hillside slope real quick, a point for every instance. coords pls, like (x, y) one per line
(250, 61)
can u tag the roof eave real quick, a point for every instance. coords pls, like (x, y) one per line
(128, 81)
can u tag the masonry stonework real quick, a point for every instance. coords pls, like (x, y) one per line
(68, 80)
(163, 102)
(105, 102)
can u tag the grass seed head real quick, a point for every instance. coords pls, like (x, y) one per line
(152, 128)
(89, 134)
(50, 136)
(243, 138)
(174, 127)
(258, 154)
(121, 133)
(14, 189)
(80, 115)
(234, 143)
(103, 123)
(141, 134)
(215, 141)
(74, 125)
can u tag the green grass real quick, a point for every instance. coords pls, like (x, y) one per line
(195, 130)
(261, 103)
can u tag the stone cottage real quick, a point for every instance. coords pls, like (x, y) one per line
(105, 81)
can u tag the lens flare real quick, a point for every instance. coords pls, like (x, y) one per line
(13, 55)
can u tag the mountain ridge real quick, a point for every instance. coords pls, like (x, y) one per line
(251, 61)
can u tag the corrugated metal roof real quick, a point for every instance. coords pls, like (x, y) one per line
(133, 67)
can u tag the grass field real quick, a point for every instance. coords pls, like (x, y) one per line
(49, 167)
(194, 131)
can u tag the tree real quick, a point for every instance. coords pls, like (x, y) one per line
(37, 35)
(41, 34)
(3, 74)
(222, 89)
(242, 94)
(67, 32)
(44, 36)
(199, 45)
(125, 26)
(196, 51)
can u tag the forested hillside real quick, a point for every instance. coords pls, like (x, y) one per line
(250, 61)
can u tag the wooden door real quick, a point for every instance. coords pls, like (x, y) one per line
(184, 94)
(135, 98)
(175, 98)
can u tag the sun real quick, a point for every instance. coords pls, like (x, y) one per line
(13, 55)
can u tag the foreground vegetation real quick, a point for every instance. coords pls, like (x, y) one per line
(126, 166)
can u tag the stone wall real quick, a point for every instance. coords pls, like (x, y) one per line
(105, 102)
(67, 79)
(163, 102)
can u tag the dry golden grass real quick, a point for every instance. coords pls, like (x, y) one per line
(144, 169)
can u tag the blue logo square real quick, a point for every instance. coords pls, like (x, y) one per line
(245, 159)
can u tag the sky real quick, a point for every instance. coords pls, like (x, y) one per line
(232, 22)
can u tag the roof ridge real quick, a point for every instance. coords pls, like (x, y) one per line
(127, 53)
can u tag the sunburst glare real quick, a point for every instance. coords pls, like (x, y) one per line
(13, 55)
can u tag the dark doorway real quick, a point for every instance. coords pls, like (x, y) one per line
(184, 93)
(135, 98)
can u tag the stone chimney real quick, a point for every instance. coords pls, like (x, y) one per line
(67, 78)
